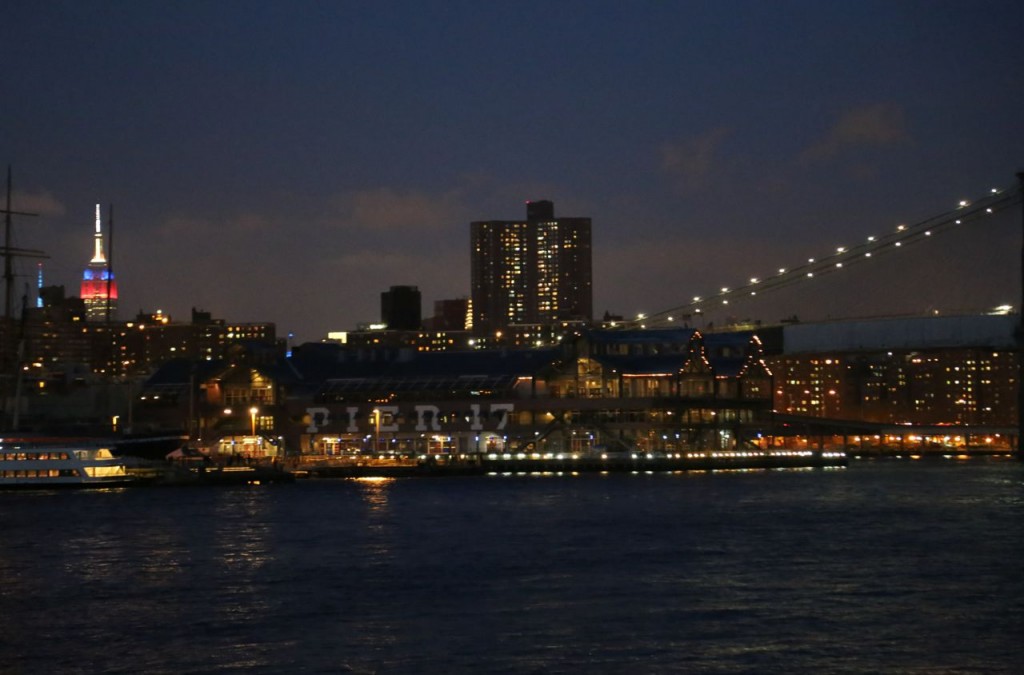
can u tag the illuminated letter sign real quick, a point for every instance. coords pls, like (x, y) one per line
(352, 428)
(393, 411)
(421, 424)
(475, 425)
(318, 417)
(505, 408)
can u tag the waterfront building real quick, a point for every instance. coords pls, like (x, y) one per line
(98, 287)
(944, 370)
(596, 392)
(600, 391)
(231, 404)
(81, 374)
(532, 271)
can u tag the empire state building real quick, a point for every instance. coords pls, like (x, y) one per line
(99, 289)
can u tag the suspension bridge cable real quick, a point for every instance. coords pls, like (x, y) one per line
(843, 257)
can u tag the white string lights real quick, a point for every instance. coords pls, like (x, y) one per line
(844, 256)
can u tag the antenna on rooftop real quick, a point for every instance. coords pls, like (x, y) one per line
(110, 257)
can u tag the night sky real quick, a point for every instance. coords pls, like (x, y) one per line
(288, 161)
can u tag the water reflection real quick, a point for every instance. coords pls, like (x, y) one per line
(377, 537)
(374, 490)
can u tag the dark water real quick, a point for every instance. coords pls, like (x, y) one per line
(883, 567)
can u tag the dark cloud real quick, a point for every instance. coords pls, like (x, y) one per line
(873, 125)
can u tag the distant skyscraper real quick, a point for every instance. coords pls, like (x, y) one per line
(99, 289)
(529, 271)
(400, 308)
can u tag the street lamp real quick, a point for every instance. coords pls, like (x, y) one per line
(252, 415)
(376, 430)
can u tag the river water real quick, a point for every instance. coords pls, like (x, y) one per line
(885, 566)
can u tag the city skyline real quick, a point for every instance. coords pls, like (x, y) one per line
(289, 165)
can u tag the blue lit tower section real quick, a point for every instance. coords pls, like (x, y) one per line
(98, 281)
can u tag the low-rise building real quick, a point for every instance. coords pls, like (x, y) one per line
(956, 370)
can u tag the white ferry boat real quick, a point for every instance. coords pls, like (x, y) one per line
(56, 467)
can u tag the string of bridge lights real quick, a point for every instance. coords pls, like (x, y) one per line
(843, 257)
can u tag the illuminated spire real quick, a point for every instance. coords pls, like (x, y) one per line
(98, 256)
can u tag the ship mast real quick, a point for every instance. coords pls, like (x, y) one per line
(8, 252)
(8, 354)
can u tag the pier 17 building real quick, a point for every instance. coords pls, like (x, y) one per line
(651, 391)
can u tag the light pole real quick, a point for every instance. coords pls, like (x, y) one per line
(376, 431)
(252, 416)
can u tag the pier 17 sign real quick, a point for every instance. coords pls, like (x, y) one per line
(420, 417)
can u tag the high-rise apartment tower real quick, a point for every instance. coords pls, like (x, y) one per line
(532, 271)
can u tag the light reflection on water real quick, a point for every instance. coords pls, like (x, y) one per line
(879, 568)
(375, 492)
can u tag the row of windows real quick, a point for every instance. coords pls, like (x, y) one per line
(38, 473)
(23, 456)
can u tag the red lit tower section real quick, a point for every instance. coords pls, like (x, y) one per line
(99, 289)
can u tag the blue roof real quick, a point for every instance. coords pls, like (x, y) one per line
(320, 364)
(637, 336)
(733, 339)
(643, 365)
